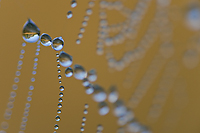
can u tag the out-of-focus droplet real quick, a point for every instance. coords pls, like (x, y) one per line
(133, 126)
(191, 58)
(119, 108)
(89, 89)
(45, 39)
(57, 118)
(57, 43)
(103, 108)
(92, 75)
(82, 129)
(79, 72)
(65, 59)
(68, 72)
(83, 119)
(193, 16)
(85, 111)
(31, 32)
(113, 94)
(73, 3)
(85, 82)
(99, 94)
(69, 14)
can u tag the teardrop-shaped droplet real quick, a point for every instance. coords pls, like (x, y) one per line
(65, 59)
(103, 108)
(69, 14)
(31, 32)
(73, 3)
(99, 94)
(57, 43)
(57, 118)
(68, 72)
(92, 75)
(79, 72)
(113, 95)
(45, 39)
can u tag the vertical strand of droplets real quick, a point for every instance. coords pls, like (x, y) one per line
(85, 111)
(10, 104)
(30, 92)
(60, 100)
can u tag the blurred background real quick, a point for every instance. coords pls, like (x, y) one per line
(148, 49)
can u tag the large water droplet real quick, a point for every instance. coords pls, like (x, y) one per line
(113, 95)
(92, 75)
(68, 72)
(31, 32)
(73, 3)
(65, 59)
(103, 108)
(45, 39)
(57, 43)
(79, 72)
(99, 94)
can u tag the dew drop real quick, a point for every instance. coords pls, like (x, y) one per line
(56, 126)
(68, 72)
(61, 88)
(60, 100)
(86, 106)
(89, 11)
(79, 72)
(80, 35)
(82, 129)
(65, 59)
(45, 39)
(59, 111)
(100, 127)
(91, 3)
(119, 108)
(57, 43)
(61, 94)
(85, 111)
(83, 119)
(15, 87)
(103, 108)
(59, 105)
(59, 70)
(57, 118)
(78, 41)
(85, 82)
(113, 95)
(83, 123)
(31, 32)
(99, 94)
(10, 105)
(59, 76)
(82, 30)
(58, 66)
(92, 75)
(4, 125)
(89, 89)
(73, 3)
(133, 126)
(69, 14)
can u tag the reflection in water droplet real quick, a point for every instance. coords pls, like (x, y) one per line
(113, 95)
(65, 59)
(31, 32)
(69, 14)
(68, 72)
(73, 3)
(99, 94)
(57, 118)
(59, 70)
(45, 39)
(57, 43)
(92, 76)
(89, 89)
(103, 108)
(56, 126)
(58, 66)
(79, 72)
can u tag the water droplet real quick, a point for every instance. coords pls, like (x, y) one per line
(57, 54)
(89, 11)
(33, 72)
(133, 126)
(20, 62)
(31, 32)
(31, 87)
(28, 105)
(57, 60)
(59, 105)
(78, 41)
(45, 39)
(83, 119)
(82, 129)
(56, 126)
(80, 35)
(86, 82)
(61, 88)
(86, 18)
(60, 82)
(4, 125)
(21, 56)
(59, 76)
(23, 44)
(92, 75)
(59, 70)
(79, 72)
(82, 30)
(8, 111)
(103, 108)
(57, 43)
(61, 94)
(68, 72)
(30, 93)
(119, 108)
(15, 87)
(113, 95)
(83, 123)
(10, 105)
(24, 119)
(57, 118)
(59, 111)
(84, 23)
(86, 106)
(99, 94)
(13, 94)
(85, 111)
(58, 66)
(100, 127)
(91, 4)
(26, 114)
(65, 59)
(29, 98)
(32, 79)
(73, 3)
(26, 110)
(89, 89)
(60, 100)
(69, 14)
